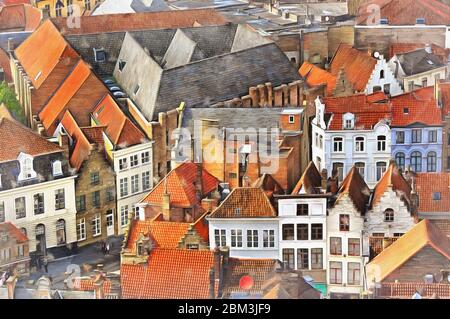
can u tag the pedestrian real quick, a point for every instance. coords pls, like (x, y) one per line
(107, 248)
(45, 264)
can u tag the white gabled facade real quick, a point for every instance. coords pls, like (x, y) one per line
(383, 79)
(341, 149)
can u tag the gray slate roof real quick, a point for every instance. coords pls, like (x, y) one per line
(418, 61)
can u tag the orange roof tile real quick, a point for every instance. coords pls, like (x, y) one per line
(94, 134)
(310, 181)
(444, 88)
(357, 190)
(39, 60)
(13, 231)
(357, 65)
(316, 76)
(142, 20)
(245, 202)
(180, 186)
(429, 183)
(118, 127)
(404, 248)
(392, 178)
(88, 285)
(202, 228)
(15, 138)
(170, 274)
(19, 17)
(269, 185)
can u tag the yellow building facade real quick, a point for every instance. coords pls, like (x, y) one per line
(64, 8)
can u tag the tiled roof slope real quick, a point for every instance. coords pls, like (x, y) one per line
(180, 186)
(19, 17)
(16, 138)
(357, 65)
(316, 76)
(169, 274)
(142, 20)
(13, 231)
(421, 235)
(405, 12)
(38, 60)
(444, 88)
(245, 202)
(310, 181)
(356, 189)
(429, 183)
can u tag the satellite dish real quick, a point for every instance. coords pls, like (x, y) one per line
(376, 54)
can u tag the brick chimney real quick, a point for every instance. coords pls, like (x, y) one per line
(166, 202)
(11, 286)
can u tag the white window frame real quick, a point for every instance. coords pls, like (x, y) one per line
(124, 215)
(359, 143)
(270, 235)
(81, 229)
(134, 181)
(341, 150)
(291, 119)
(146, 181)
(26, 167)
(134, 160)
(96, 225)
(253, 234)
(236, 238)
(123, 187)
(57, 168)
(123, 164)
(220, 234)
(145, 157)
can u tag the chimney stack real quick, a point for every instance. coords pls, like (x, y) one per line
(98, 285)
(199, 182)
(63, 140)
(10, 45)
(166, 202)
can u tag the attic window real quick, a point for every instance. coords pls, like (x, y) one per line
(57, 168)
(136, 89)
(420, 21)
(384, 21)
(99, 55)
(237, 211)
(122, 64)
(406, 110)
(436, 196)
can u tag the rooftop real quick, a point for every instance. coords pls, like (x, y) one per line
(316, 76)
(356, 189)
(419, 61)
(310, 181)
(19, 17)
(434, 192)
(12, 231)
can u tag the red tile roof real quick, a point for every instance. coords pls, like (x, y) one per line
(142, 20)
(180, 186)
(429, 183)
(444, 88)
(310, 181)
(405, 12)
(202, 228)
(10, 2)
(118, 127)
(19, 17)
(94, 134)
(84, 284)
(357, 190)
(15, 138)
(422, 108)
(368, 110)
(316, 76)
(39, 60)
(169, 274)
(269, 185)
(392, 178)
(5, 65)
(13, 231)
(245, 202)
(357, 65)
(421, 235)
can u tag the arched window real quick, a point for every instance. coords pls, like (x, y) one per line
(416, 161)
(58, 8)
(61, 232)
(359, 144)
(26, 167)
(389, 215)
(400, 160)
(431, 162)
(382, 74)
(57, 168)
(349, 121)
(381, 143)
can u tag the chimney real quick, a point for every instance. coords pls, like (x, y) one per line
(10, 45)
(166, 202)
(212, 284)
(11, 286)
(324, 175)
(209, 204)
(63, 140)
(141, 210)
(199, 182)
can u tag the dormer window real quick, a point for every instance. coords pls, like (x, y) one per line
(420, 21)
(26, 167)
(99, 55)
(384, 21)
(122, 64)
(57, 168)
(349, 121)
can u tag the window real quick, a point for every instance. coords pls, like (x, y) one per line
(335, 272)
(61, 232)
(338, 144)
(317, 139)
(387, 88)
(420, 20)
(349, 121)
(354, 247)
(81, 203)
(302, 258)
(302, 209)
(400, 137)
(335, 246)
(436, 196)
(320, 141)
(192, 247)
(416, 136)
(382, 74)
(123, 164)
(381, 169)
(424, 82)
(96, 199)
(431, 162)
(146, 180)
(353, 273)
(26, 167)
(268, 238)
(220, 237)
(123, 216)
(400, 160)
(122, 64)
(359, 144)
(361, 167)
(58, 8)
(236, 238)
(123, 187)
(376, 88)
(109, 194)
(316, 258)
(344, 222)
(316, 231)
(252, 238)
(145, 157)
(69, 7)
(134, 161)
(288, 232)
(99, 55)
(87, 4)
(2, 212)
(288, 258)
(410, 86)
(432, 136)
(81, 229)
(20, 251)
(416, 161)
(95, 178)
(60, 200)
(57, 168)
(38, 200)
(134, 184)
(389, 215)
(398, 234)
(302, 232)
(381, 143)
(291, 119)
(20, 207)
(96, 225)
(338, 168)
